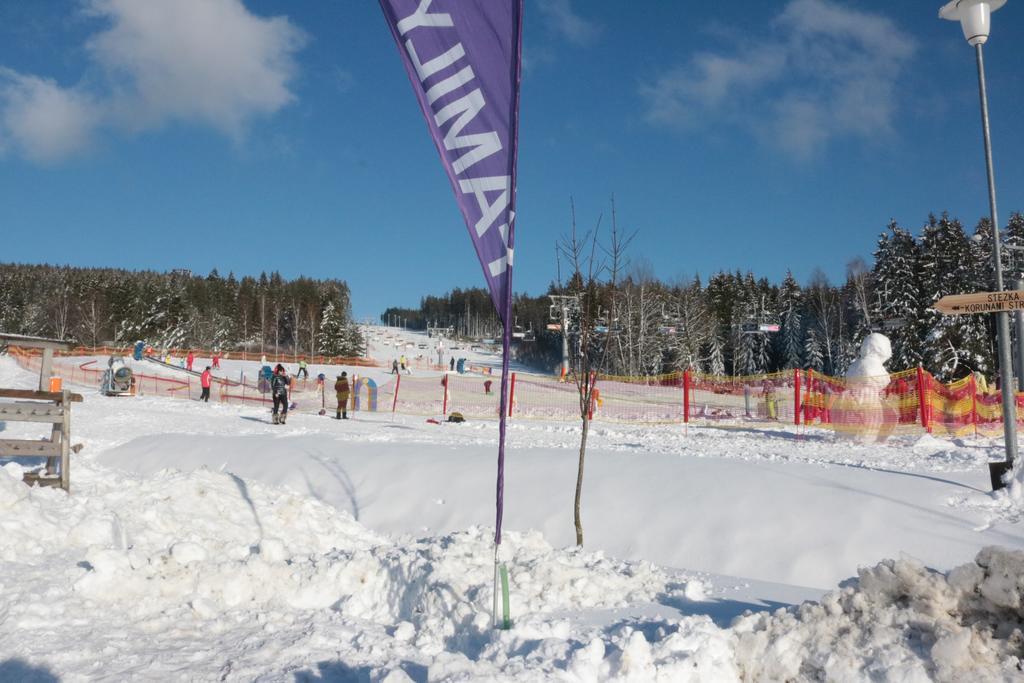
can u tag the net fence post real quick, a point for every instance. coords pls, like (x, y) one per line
(796, 396)
(922, 398)
(974, 404)
(686, 395)
(511, 394)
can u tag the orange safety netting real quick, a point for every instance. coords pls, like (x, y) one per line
(879, 406)
(206, 353)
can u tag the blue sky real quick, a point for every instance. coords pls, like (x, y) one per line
(284, 135)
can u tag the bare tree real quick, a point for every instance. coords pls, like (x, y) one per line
(858, 278)
(263, 324)
(314, 323)
(60, 307)
(596, 268)
(694, 326)
(636, 321)
(824, 303)
(90, 321)
(296, 326)
(277, 327)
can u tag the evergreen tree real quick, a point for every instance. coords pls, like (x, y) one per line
(716, 358)
(332, 331)
(354, 343)
(954, 346)
(898, 299)
(813, 356)
(1013, 267)
(747, 357)
(791, 336)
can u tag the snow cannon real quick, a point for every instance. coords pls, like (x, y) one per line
(263, 382)
(118, 381)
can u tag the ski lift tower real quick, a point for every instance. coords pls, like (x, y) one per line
(561, 306)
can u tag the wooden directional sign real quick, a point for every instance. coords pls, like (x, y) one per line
(980, 302)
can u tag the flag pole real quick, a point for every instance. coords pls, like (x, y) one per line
(502, 618)
(439, 40)
(500, 571)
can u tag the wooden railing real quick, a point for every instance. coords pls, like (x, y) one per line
(48, 407)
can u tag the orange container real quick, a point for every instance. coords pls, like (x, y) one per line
(55, 384)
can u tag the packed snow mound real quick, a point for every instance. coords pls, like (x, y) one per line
(272, 577)
(899, 621)
(440, 586)
(221, 513)
(213, 542)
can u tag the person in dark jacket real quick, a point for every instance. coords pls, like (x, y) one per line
(341, 391)
(279, 389)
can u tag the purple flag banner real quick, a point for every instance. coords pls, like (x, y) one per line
(463, 58)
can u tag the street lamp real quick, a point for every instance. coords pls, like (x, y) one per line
(975, 20)
(973, 15)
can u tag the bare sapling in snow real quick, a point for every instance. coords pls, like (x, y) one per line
(596, 267)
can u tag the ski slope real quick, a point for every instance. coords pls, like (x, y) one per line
(383, 345)
(201, 542)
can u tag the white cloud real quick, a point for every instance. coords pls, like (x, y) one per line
(206, 62)
(42, 121)
(827, 71)
(563, 20)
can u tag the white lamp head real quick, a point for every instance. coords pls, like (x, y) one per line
(973, 16)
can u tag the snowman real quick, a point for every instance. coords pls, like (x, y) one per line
(866, 414)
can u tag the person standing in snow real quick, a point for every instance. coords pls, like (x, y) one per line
(279, 390)
(394, 366)
(402, 362)
(216, 360)
(189, 360)
(303, 372)
(341, 391)
(770, 399)
(451, 364)
(205, 380)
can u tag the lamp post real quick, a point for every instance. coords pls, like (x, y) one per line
(975, 19)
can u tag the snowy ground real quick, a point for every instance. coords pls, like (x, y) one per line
(202, 543)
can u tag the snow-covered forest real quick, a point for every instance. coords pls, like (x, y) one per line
(714, 325)
(100, 305)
